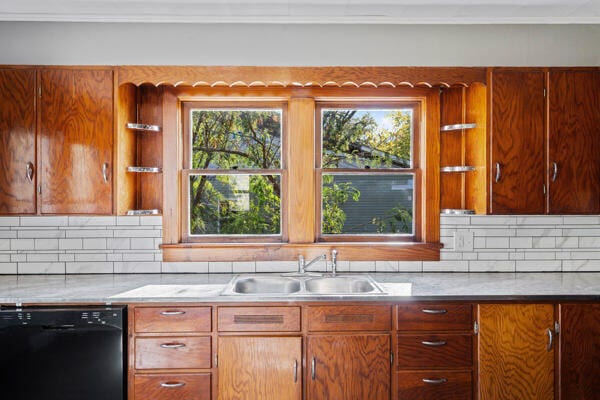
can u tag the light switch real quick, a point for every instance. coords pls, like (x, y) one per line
(463, 241)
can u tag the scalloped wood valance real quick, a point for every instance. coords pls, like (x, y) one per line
(373, 77)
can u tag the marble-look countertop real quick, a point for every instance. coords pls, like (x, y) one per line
(118, 289)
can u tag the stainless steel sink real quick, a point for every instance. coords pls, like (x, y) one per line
(268, 285)
(341, 285)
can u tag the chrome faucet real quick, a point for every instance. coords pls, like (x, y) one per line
(334, 262)
(303, 265)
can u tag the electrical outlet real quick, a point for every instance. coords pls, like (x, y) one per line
(463, 241)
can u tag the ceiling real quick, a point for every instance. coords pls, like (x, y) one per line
(307, 11)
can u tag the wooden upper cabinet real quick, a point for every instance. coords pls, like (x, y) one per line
(579, 367)
(17, 141)
(516, 351)
(574, 142)
(517, 168)
(349, 367)
(76, 138)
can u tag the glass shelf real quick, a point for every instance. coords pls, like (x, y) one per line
(143, 127)
(459, 168)
(457, 127)
(457, 211)
(151, 170)
(143, 212)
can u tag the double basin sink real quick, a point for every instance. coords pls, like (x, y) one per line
(338, 285)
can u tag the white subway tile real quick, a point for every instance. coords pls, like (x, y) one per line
(410, 266)
(540, 255)
(139, 233)
(488, 232)
(70, 244)
(118, 244)
(42, 257)
(151, 220)
(4, 244)
(386, 266)
(539, 220)
(92, 221)
(479, 242)
(18, 257)
(447, 242)
(40, 233)
(581, 232)
(450, 255)
(9, 221)
(143, 244)
(492, 266)
(44, 221)
(469, 256)
(8, 268)
(444, 232)
(585, 255)
(516, 256)
(362, 266)
(46, 244)
(276, 266)
(89, 233)
(89, 267)
(581, 220)
(543, 242)
(502, 255)
(581, 265)
(158, 256)
(521, 242)
(94, 244)
(128, 220)
(589, 242)
(66, 257)
(22, 244)
(501, 220)
(4, 257)
(566, 242)
(220, 267)
(157, 243)
(539, 266)
(446, 266)
(563, 255)
(41, 268)
(8, 234)
(114, 257)
(136, 267)
(454, 220)
(496, 243)
(89, 257)
(138, 256)
(538, 232)
(185, 267)
(243, 267)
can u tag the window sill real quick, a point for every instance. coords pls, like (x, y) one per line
(366, 251)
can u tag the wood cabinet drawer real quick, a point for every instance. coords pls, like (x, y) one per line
(259, 319)
(172, 352)
(435, 385)
(349, 318)
(172, 319)
(172, 387)
(443, 317)
(435, 351)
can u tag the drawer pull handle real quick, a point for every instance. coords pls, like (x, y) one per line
(258, 319)
(435, 381)
(172, 384)
(349, 318)
(550, 340)
(172, 312)
(434, 344)
(435, 311)
(172, 345)
(29, 171)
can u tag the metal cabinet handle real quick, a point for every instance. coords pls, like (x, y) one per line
(313, 365)
(438, 311)
(172, 384)
(554, 171)
(498, 172)
(434, 344)
(105, 172)
(172, 345)
(295, 371)
(172, 312)
(435, 381)
(550, 340)
(29, 172)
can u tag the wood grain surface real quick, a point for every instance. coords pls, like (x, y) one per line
(125, 149)
(17, 141)
(195, 352)
(579, 366)
(430, 351)
(476, 149)
(76, 134)
(172, 319)
(574, 141)
(457, 385)
(517, 141)
(258, 319)
(440, 317)
(260, 368)
(169, 387)
(514, 362)
(349, 367)
(452, 148)
(349, 318)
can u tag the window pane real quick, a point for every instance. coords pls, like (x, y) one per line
(235, 204)
(355, 138)
(232, 139)
(367, 204)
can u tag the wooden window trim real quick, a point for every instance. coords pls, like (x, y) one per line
(301, 220)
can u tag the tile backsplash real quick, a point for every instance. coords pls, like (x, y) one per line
(81, 244)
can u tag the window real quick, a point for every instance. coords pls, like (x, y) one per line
(367, 168)
(270, 173)
(232, 172)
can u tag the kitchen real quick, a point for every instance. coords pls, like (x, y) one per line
(525, 265)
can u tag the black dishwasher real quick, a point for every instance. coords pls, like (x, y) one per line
(69, 353)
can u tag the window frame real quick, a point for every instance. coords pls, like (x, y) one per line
(415, 170)
(300, 219)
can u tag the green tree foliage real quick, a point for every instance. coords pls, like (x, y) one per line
(335, 195)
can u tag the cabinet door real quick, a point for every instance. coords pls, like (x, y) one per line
(574, 142)
(517, 141)
(516, 360)
(17, 141)
(260, 368)
(580, 351)
(76, 136)
(349, 367)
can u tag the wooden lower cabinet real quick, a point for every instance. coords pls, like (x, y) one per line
(260, 368)
(434, 385)
(349, 367)
(516, 351)
(579, 366)
(172, 387)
